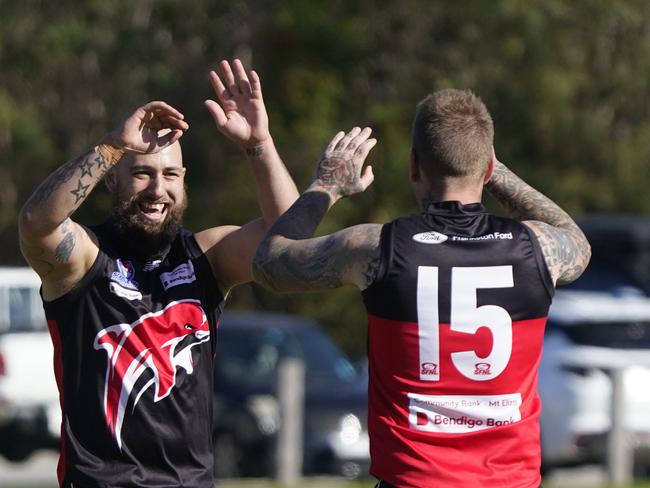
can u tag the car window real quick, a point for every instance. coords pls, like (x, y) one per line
(323, 358)
(250, 357)
(607, 275)
(21, 310)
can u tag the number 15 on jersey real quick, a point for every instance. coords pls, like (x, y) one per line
(466, 317)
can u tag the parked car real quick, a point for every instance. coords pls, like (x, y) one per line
(30, 416)
(250, 348)
(602, 317)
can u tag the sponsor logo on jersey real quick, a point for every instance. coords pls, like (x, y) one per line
(127, 293)
(124, 274)
(178, 276)
(151, 265)
(486, 237)
(432, 237)
(482, 369)
(159, 343)
(429, 369)
(459, 414)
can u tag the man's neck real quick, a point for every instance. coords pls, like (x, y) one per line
(445, 189)
(139, 245)
(464, 198)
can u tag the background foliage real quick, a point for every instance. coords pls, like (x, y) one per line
(565, 80)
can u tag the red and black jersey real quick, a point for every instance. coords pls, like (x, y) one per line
(134, 344)
(456, 324)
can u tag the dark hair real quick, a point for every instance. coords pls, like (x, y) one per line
(452, 134)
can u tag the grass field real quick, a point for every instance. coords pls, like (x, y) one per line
(368, 483)
(329, 483)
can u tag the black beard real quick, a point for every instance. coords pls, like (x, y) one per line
(142, 241)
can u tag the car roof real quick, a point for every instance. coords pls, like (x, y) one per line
(628, 227)
(577, 306)
(18, 276)
(259, 320)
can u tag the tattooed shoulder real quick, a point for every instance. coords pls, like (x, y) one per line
(566, 253)
(366, 253)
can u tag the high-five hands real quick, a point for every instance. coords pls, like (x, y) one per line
(239, 111)
(340, 171)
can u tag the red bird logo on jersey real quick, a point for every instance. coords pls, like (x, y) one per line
(149, 343)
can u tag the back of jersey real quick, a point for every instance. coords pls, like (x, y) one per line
(456, 324)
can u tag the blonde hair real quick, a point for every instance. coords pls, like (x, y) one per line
(452, 134)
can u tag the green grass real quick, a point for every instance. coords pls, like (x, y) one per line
(366, 483)
(369, 483)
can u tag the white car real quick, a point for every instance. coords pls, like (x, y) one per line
(600, 322)
(30, 415)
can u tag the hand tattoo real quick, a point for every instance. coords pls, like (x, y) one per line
(337, 174)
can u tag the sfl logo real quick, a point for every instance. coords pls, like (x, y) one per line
(482, 369)
(429, 369)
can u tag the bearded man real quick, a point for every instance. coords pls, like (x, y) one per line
(133, 304)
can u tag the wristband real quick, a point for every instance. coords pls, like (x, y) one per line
(111, 153)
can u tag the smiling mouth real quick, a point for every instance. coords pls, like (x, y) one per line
(153, 211)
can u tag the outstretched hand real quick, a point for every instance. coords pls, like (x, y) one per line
(340, 169)
(149, 129)
(239, 113)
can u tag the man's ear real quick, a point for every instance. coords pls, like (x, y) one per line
(490, 168)
(110, 180)
(414, 168)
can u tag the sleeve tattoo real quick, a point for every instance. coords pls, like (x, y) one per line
(350, 255)
(289, 259)
(565, 247)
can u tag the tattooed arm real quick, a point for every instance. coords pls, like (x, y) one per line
(289, 259)
(60, 250)
(565, 247)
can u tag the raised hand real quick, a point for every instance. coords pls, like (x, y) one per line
(139, 132)
(340, 169)
(240, 113)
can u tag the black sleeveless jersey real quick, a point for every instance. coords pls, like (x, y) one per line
(134, 344)
(456, 325)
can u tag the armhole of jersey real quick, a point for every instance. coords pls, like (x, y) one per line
(542, 267)
(80, 287)
(197, 255)
(385, 252)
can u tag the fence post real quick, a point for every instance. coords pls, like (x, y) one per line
(291, 397)
(619, 455)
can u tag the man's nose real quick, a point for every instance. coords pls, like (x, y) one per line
(156, 187)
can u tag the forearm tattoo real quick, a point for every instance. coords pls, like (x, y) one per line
(565, 247)
(60, 176)
(303, 217)
(93, 165)
(50, 210)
